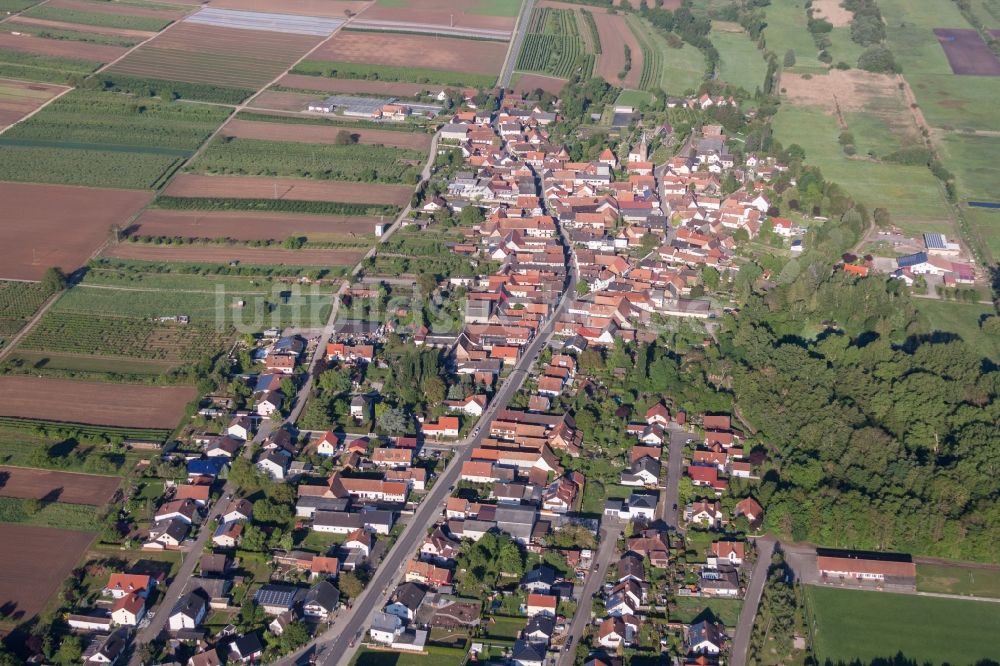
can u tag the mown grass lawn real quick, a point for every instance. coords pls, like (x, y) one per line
(963, 319)
(741, 63)
(852, 624)
(958, 579)
(726, 610)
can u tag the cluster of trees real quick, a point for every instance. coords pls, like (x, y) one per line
(881, 435)
(483, 563)
(689, 27)
(779, 617)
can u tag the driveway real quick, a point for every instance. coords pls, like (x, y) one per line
(751, 601)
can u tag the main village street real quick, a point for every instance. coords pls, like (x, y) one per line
(340, 641)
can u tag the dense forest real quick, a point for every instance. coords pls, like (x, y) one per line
(879, 435)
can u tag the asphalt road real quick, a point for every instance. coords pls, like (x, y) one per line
(334, 645)
(516, 43)
(751, 601)
(606, 552)
(675, 456)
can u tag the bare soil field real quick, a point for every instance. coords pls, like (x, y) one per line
(61, 48)
(94, 403)
(117, 8)
(19, 98)
(324, 8)
(832, 12)
(249, 187)
(219, 56)
(247, 226)
(850, 90)
(323, 84)
(398, 50)
(57, 225)
(299, 133)
(52, 486)
(34, 561)
(967, 53)
(222, 254)
(530, 82)
(615, 34)
(438, 12)
(94, 29)
(284, 101)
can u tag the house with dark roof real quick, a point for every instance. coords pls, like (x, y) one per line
(246, 648)
(188, 612)
(528, 653)
(320, 601)
(275, 599)
(406, 600)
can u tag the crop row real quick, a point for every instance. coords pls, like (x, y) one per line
(355, 163)
(169, 90)
(89, 117)
(19, 300)
(88, 168)
(71, 35)
(552, 45)
(62, 430)
(370, 72)
(81, 333)
(275, 206)
(50, 69)
(652, 61)
(330, 122)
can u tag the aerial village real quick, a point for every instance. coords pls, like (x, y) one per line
(530, 557)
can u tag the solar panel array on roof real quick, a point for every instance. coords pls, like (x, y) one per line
(911, 259)
(934, 241)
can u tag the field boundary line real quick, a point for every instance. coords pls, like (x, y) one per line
(157, 290)
(16, 14)
(516, 42)
(58, 471)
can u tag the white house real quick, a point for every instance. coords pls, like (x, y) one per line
(385, 627)
(270, 403)
(188, 612)
(327, 445)
(129, 610)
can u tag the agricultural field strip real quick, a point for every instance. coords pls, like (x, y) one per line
(430, 29)
(44, 104)
(268, 22)
(553, 43)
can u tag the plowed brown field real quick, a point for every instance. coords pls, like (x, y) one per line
(94, 403)
(323, 84)
(34, 561)
(58, 225)
(296, 189)
(425, 51)
(61, 48)
(53, 486)
(323, 8)
(19, 98)
(437, 12)
(299, 133)
(615, 34)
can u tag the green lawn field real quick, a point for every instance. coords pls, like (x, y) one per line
(946, 100)
(741, 63)
(958, 579)
(727, 610)
(437, 656)
(985, 224)
(786, 29)
(973, 160)
(484, 7)
(673, 70)
(912, 195)
(852, 624)
(963, 319)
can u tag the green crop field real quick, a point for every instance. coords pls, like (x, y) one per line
(60, 515)
(851, 624)
(508, 8)
(985, 224)
(675, 70)
(70, 35)
(553, 44)
(105, 19)
(18, 301)
(988, 11)
(48, 69)
(912, 195)
(357, 163)
(350, 70)
(740, 61)
(959, 579)
(106, 139)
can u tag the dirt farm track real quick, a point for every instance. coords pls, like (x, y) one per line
(94, 403)
(57, 486)
(34, 561)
